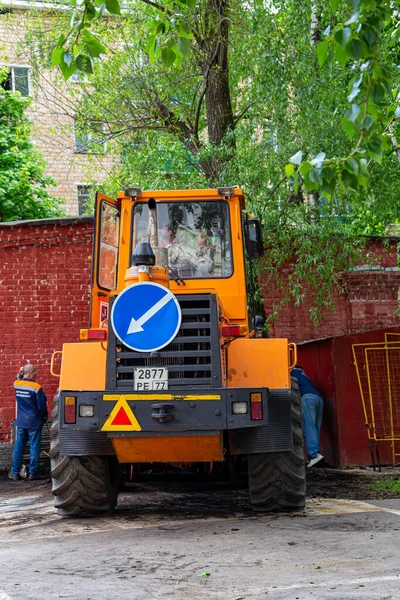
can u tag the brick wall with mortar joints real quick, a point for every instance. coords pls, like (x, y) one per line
(368, 302)
(51, 112)
(45, 272)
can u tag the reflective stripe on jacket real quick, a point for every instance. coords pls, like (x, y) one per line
(31, 404)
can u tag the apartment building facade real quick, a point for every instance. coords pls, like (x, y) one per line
(78, 161)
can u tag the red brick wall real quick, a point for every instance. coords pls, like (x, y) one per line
(45, 274)
(368, 302)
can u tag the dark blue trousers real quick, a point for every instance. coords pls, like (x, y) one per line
(23, 435)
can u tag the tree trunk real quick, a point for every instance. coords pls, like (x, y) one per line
(219, 111)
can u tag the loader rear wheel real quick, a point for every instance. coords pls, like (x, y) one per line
(84, 486)
(277, 480)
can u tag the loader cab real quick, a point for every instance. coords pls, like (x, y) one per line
(199, 235)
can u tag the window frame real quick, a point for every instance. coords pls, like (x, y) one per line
(89, 139)
(102, 287)
(191, 201)
(12, 74)
(82, 185)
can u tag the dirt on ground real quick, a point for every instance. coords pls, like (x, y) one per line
(352, 483)
(187, 494)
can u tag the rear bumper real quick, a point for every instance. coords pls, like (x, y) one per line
(174, 414)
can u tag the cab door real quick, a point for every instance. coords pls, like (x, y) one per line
(106, 250)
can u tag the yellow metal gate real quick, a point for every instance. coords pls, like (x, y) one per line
(378, 373)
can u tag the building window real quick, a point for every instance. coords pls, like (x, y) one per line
(89, 141)
(17, 80)
(84, 199)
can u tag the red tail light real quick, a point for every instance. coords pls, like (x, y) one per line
(256, 409)
(93, 334)
(230, 330)
(70, 409)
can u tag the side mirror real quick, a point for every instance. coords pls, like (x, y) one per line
(253, 238)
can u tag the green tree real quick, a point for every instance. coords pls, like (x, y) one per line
(300, 109)
(23, 193)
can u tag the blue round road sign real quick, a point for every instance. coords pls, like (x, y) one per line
(146, 316)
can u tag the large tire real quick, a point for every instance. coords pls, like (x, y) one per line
(277, 480)
(82, 486)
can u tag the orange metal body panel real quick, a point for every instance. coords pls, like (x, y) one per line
(83, 366)
(190, 448)
(258, 362)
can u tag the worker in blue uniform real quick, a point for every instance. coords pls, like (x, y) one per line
(31, 416)
(312, 406)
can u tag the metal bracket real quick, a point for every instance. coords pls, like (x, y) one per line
(162, 414)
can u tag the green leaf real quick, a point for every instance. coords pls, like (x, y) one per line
(378, 93)
(296, 158)
(289, 170)
(113, 7)
(67, 58)
(354, 17)
(354, 49)
(93, 45)
(322, 52)
(328, 173)
(367, 122)
(374, 149)
(90, 11)
(305, 168)
(342, 36)
(328, 187)
(184, 46)
(205, 574)
(83, 63)
(351, 165)
(191, 3)
(318, 159)
(354, 92)
(153, 48)
(348, 127)
(67, 70)
(184, 31)
(315, 176)
(168, 56)
(61, 41)
(57, 56)
(369, 36)
(101, 10)
(334, 5)
(342, 55)
(352, 113)
(296, 182)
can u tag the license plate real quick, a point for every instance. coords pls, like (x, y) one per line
(150, 379)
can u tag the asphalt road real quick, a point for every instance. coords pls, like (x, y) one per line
(197, 542)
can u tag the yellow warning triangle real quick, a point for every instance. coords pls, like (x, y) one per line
(121, 418)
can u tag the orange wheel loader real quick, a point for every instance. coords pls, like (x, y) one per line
(171, 370)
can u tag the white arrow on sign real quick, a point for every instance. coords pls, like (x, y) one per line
(136, 326)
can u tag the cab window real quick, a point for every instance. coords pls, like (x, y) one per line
(195, 234)
(108, 251)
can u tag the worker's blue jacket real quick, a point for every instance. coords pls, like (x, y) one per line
(306, 386)
(31, 404)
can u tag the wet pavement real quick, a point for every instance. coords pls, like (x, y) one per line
(192, 540)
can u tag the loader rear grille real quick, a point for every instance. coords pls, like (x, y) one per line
(193, 358)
